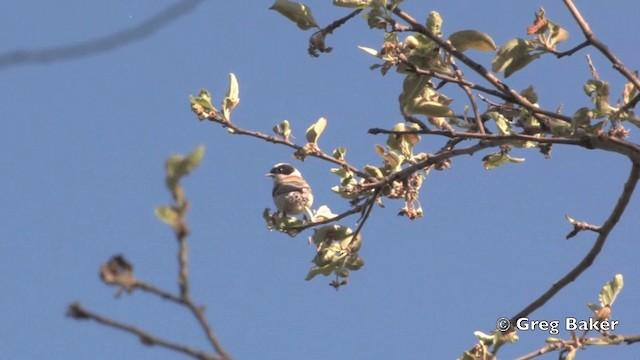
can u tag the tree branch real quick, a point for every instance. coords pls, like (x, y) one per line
(76, 311)
(478, 68)
(104, 44)
(236, 130)
(583, 343)
(593, 40)
(586, 262)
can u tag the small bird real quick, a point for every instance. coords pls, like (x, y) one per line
(291, 193)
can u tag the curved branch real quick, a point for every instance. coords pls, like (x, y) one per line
(104, 44)
(612, 220)
(236, 130)
(76, 311)
(593, 40)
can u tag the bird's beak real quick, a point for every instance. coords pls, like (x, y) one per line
(269, 174)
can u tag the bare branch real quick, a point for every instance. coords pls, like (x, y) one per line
(586, 262)
(236, 130)
(104, 44)
(593, 40)
(580, 226)
(316, 41)
(76, 311)
(472, 99)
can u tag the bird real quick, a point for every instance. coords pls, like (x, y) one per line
(291, 192)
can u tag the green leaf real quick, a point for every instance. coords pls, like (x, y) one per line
(472, 39)
(513, 56)
(557, 33)
(314, 131)
(283, 129)
(296, 12)
(340, 153)
(516, 160)
(552, 340)
(355, 262)
(501, 122)
(203, 99)
(373, 171)
(231, 100)
(560, 128)
(429, 108)
(492, 161)
(369, 51)
(233, 90)
(434, 23)
(530, 94)
(323, 213)
(178, 166)
(571, 354)
(629, 91)
(582, 117)
(167, 215)
(611, 290)
(484, 337)
(355, 4)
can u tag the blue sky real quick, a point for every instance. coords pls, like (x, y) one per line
(85, 140)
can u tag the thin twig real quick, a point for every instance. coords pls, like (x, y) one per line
(593, 40)
(586, 262)
(472, 99)
(560, 54)
(584, 342)
(316, 41)
(339, 217)
(145, 286)
(104, 44)
(607, 143)
(76, 311)
(236, 130)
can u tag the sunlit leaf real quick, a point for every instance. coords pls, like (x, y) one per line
(516, 160)
(530, 94)
(296, 12)
(369, 51)
(611, 290)
(314, 131)
(494, 160)
(558, 34)
(513, 56)
(232, 98)
(501, 122)
(472, 39)
(340, 153)
(429, 108)
(484, 337)
(204, 99)
(373, 171)
(582, 117)
(358, 4)
(178, 166)
(167, 215)
(283, 129)
(434, 23)
(323, 213)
